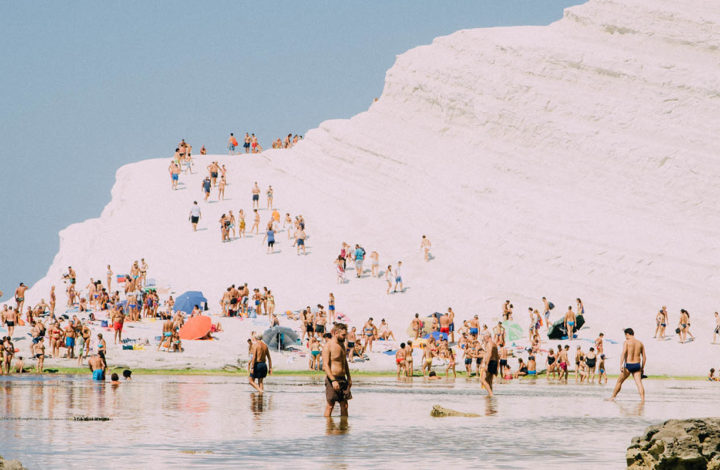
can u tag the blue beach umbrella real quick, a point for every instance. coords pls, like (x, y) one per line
(189, 300)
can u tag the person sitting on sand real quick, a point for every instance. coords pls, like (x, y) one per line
(358, 353)
(711, 376)
(19, 365)
(384, 332)
(175, 340)
(522, 369)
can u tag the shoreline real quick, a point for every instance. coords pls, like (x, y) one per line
(291, 373)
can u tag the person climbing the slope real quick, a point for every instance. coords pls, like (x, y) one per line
(425, 245)
(398, 278)
(256, 196)
(195, 215)
(359, 258)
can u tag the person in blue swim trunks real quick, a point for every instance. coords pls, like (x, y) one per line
(97, 367)
(632, 360)
(570, 322)
(474, 324)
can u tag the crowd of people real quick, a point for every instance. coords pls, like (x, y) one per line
(250, 144)
(485, 352)
(233, 227)
(69, 335)
(356, 258)
(286, 143)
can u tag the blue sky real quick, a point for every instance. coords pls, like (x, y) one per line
(89, 86)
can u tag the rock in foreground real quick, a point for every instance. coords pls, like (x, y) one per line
(681, 444)
(440, 412)
(10, 464)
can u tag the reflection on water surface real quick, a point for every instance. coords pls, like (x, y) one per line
(218, 422)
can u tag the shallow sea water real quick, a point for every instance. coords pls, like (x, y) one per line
(217, 422)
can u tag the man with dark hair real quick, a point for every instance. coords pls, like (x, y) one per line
(632, 361)
(97, 368)
(260, 363)
(20, 297)
(195, 214)
(337, 372)
(490, 362)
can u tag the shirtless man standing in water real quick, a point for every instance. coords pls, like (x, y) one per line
(491, 365)
(632, 361)
(258, 367)
(337, 372)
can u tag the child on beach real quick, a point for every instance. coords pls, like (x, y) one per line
(602, 376)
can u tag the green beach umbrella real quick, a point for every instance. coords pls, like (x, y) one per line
(513, 331)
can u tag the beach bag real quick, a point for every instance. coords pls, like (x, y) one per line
(551, 305)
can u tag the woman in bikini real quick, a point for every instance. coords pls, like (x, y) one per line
(400, 359)
(314, 354)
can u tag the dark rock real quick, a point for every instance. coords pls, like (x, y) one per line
(677, 444)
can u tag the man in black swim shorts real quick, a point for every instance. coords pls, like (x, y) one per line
(491, 364)
(337, 372)
(260, 363)
(632, 359)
